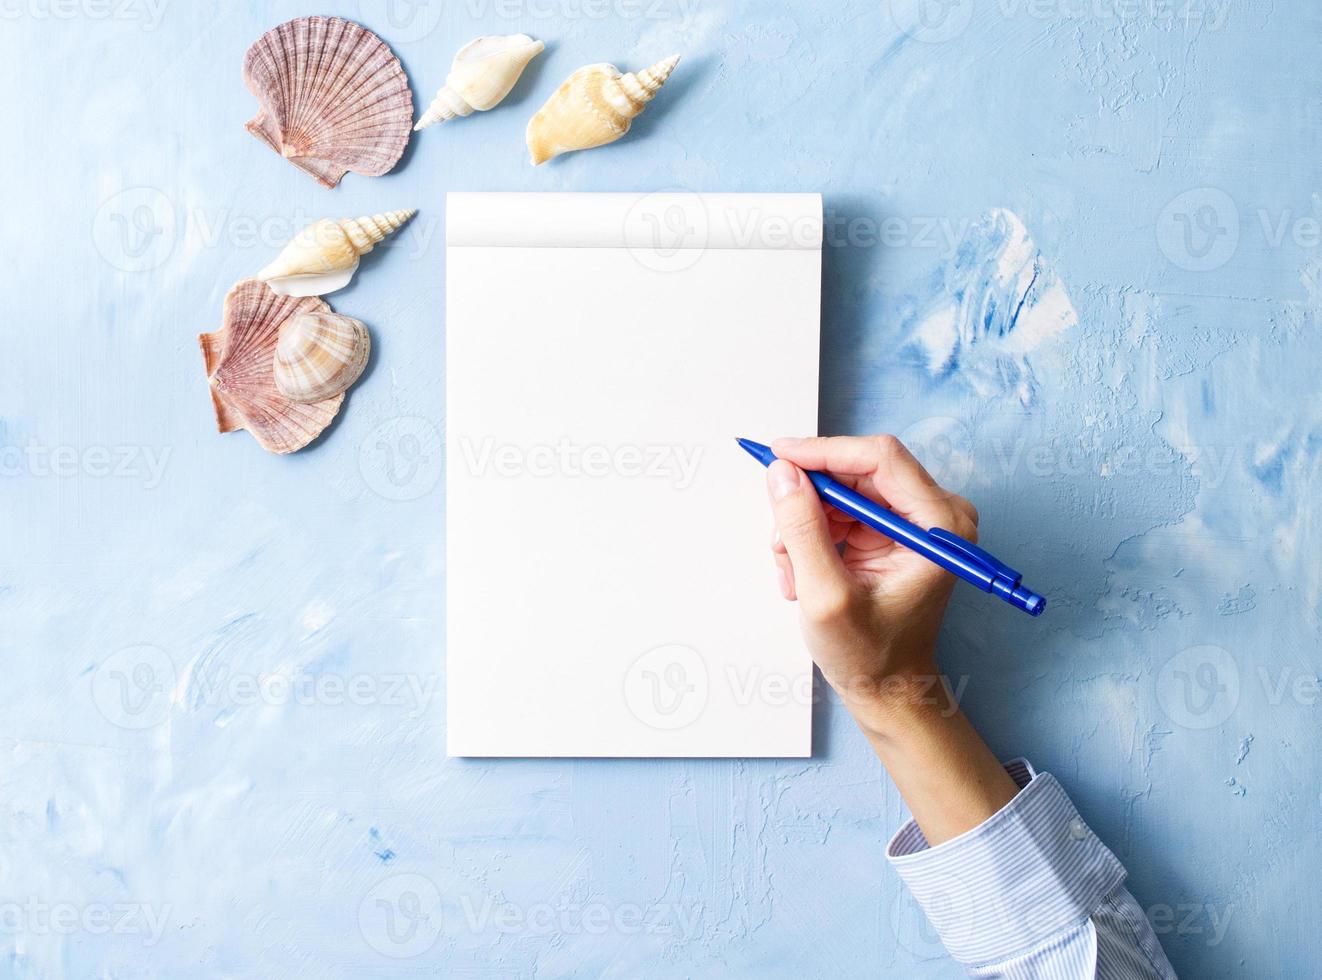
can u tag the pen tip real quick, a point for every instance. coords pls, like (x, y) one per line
(758, 451)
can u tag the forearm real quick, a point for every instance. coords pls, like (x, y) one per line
(947, 775)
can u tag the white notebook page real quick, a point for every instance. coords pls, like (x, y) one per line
(610, 590)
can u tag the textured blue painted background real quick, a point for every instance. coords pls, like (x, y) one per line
(221, 720)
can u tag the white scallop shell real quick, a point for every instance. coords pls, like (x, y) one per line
(319, 355)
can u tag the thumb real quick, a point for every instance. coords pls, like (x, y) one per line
(819, 575)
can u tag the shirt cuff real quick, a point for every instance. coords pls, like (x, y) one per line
(1018, 879)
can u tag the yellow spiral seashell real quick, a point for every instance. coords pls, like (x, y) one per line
(596, 105)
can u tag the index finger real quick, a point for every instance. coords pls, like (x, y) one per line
(882, 462)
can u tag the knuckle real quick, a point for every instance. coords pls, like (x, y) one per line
(962, 523)
(889, 445)
(825, 608)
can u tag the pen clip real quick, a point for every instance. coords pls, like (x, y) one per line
(994, 566)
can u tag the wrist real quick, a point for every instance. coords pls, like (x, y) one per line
(888, 707)
(947, 775)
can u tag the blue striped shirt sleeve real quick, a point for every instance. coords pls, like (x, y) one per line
(1030, 892)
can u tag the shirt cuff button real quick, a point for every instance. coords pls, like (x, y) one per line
(1078, 829)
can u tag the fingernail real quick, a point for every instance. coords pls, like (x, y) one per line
(786, 442)
(783, 580)
(783, 479)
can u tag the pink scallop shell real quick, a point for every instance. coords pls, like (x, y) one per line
(333, 98)
(240, 363)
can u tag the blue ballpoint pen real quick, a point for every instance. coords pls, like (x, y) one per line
(957, 556)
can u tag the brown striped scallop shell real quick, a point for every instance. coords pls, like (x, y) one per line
(240, 364)
(333, 98)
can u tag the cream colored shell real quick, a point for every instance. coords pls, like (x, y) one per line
(324, 256)
(320, 354)
(481, 76)
(596, 105)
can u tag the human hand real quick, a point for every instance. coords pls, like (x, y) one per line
(871, 610)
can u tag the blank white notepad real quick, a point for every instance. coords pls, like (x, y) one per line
(610, 585)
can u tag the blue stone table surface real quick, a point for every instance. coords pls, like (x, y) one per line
(1072, 256)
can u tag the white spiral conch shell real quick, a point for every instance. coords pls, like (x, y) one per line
(320, 354)
(595, 106)
(481, 76)
(324, 256)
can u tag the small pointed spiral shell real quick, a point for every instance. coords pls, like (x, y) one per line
(323, 256)
(320, 354)
(367, 232)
